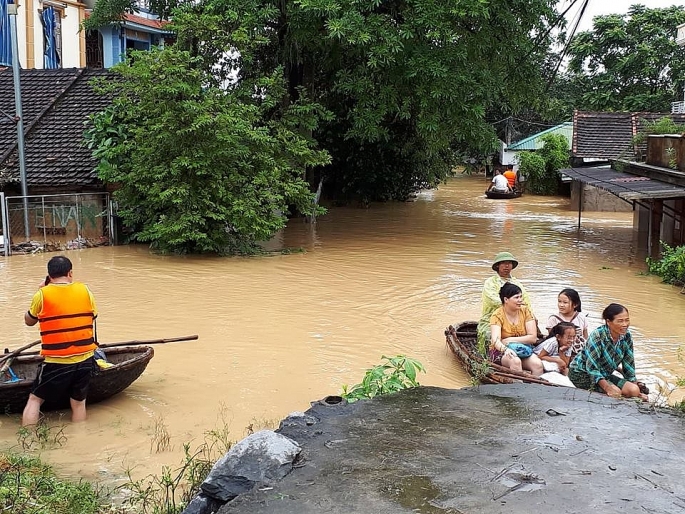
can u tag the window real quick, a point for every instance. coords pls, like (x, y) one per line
(51, 18)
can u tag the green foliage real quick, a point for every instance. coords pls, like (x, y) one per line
(629, 62)
(541, 168)
(408, 83)
(394, 374)
(31, 487)
(671, 266)
(198, 168)
(108, 12)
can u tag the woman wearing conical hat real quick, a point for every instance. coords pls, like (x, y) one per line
(502, 266)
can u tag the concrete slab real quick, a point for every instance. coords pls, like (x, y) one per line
(493, 449)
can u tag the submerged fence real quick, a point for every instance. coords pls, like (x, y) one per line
(56, 222)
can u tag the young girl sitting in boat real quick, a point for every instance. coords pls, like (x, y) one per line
(568, 303)
(554, 352)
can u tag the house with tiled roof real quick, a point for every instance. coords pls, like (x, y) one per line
(646, 178)
(610, 135)
(56, 103)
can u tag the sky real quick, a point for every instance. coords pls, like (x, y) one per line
(597, 7)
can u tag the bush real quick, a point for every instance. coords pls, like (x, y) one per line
(31, 487)
(541, 168)
(396, 374)
(671, 266)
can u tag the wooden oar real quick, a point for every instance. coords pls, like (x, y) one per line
(16, 352)
(114, 345)
(152, 341)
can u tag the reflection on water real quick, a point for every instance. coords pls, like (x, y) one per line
(278, 332)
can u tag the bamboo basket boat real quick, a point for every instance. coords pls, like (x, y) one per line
(463, 342)
(128, 364)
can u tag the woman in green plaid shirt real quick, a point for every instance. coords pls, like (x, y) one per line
(609, 348)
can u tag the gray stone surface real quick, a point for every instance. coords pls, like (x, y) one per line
(262, 457)
(492, 449)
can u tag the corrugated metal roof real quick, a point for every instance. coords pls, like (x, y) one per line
(534, 142)
(624, 185)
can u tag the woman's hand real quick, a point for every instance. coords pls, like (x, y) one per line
(509, 353)
(613, 391)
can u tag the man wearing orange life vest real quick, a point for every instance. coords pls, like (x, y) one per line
(510, 175)
(66, 312)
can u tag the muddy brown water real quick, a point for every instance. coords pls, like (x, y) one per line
(278, 332)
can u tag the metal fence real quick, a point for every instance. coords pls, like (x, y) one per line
(56, 222)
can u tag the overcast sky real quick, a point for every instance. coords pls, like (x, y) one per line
(596, 7)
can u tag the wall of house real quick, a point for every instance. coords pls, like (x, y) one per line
(666, 151)
(595, 199)
(508, 158)
(30, 33)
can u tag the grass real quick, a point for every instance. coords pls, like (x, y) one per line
(28, 486)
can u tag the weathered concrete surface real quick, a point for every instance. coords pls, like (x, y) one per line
(495, 449)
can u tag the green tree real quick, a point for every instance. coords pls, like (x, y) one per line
(541, 168)
(200, 168)
(408, 83)
(629, 62)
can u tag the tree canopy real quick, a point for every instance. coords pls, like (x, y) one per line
(403, 87)
(199, 169)
(629, 62)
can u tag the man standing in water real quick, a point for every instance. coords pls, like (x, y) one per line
(66, 312)
(504, 263)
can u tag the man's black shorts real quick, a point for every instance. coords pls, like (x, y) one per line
(57, 381)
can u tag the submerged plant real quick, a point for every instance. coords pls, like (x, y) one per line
(671, 266)
(394, 374)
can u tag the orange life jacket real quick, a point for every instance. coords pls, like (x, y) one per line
(510, 175)
(66, 320)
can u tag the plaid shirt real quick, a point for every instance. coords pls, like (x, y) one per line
(601, 356)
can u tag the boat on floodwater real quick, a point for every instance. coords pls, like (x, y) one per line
(127, 364)
(462, 340)
(501, 195)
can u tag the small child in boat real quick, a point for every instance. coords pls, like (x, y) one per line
(555, 351)
(568, 303)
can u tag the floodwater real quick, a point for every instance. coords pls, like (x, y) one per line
(278, 332)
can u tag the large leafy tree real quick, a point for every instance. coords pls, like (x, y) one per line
(200, 168)
(408, 83)
(629, 62)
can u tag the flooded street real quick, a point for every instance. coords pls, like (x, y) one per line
(278, 332)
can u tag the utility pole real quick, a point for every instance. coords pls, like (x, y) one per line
(12, 11)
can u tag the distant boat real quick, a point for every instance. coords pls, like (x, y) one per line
(499, 195)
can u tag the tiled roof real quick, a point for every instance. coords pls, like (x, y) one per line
(608, 135)
(146, 22)
(55, 104)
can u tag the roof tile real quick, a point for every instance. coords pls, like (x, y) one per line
(55, 105)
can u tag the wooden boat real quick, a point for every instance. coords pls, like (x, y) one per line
(462, 341)
(500, 195)
(128, 364)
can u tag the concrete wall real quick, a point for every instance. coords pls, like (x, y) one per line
(597, 200)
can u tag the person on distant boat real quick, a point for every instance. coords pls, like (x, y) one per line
(513, 322)
(504, 263)
(554, 352)
(66, 312)
(510, 175)
(568, 303)
(608, 349)
(499, 183)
